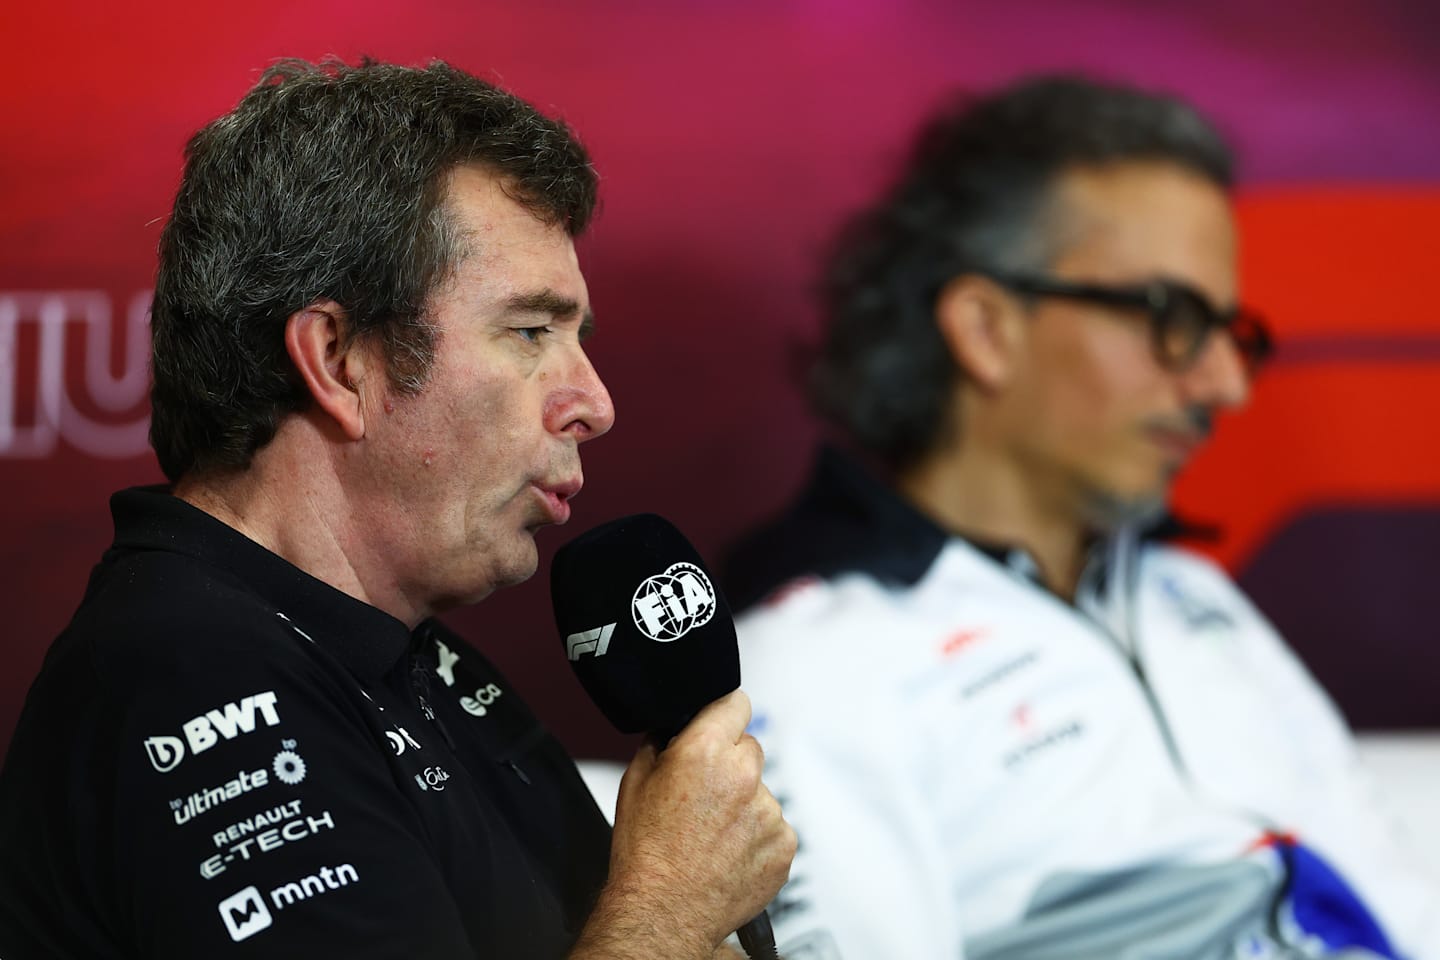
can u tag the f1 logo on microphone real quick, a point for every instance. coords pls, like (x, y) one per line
(597, 640)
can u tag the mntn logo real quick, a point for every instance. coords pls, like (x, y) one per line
(245, 914)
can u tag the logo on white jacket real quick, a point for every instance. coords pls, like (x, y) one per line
(206, 730)
(1198, 612)
(671, 604)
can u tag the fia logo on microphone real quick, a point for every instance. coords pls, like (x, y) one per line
(671, 604)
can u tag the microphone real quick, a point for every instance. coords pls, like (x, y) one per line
(649, 636)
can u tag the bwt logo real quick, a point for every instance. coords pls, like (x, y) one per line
(595, 641)
(205, 731)
(669, 605)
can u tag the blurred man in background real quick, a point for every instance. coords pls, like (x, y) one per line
(369, 394)
(1006, 719)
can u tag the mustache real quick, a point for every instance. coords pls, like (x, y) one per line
(1197, 421)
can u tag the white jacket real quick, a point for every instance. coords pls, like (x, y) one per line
(976, 768)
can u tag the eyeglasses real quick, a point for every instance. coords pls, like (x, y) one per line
(1181, 318)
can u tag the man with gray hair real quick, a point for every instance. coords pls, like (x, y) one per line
(370, 391)
(1006, 719)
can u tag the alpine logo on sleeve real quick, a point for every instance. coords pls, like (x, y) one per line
(445, 665)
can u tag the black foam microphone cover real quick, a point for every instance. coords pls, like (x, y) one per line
(649, 635)
(643, 625)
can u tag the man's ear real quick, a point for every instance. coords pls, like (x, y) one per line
(333, 364)
(981, 328)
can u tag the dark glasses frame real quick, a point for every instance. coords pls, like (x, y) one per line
(1181, 317)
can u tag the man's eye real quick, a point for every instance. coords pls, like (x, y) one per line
(533, 334)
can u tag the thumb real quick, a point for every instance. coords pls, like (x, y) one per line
(633, 780)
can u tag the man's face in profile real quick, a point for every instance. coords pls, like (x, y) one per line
(1110, 425)
(486, 452)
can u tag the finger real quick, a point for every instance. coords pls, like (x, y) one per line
(728, 716)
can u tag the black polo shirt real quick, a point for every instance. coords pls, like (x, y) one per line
(223, 756)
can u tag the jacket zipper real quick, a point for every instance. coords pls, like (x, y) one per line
(420, 685)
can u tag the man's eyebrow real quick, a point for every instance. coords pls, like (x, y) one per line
(554, 305)
(543, 301)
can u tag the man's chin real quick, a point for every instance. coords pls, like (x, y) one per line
(1107, 511)
(520, 567)
(509, 571)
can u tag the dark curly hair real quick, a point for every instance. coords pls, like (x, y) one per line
(974, 196)
(327, 181)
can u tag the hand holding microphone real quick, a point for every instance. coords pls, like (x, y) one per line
(700, 845)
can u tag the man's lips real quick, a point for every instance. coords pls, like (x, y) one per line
(1181, 434)
(564, 489)
(556, 497)
(1179, 444)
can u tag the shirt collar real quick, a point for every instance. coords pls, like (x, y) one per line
(849, 520)
(368, 641)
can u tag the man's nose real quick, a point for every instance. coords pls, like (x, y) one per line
(1219, 378)
(584, 408)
